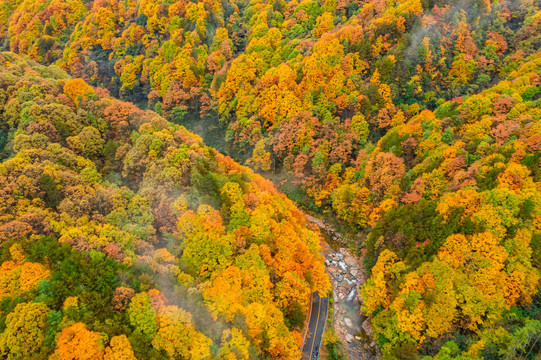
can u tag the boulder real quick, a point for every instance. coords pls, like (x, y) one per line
(348, 322)
(350, 260)
(367, 327)
(349, 338)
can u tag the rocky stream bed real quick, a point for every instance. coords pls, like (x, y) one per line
(346, 272)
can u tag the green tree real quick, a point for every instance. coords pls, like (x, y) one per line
(142, 315)
(25, 331)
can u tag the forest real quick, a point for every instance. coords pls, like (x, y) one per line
(124, 237)
(413, 125)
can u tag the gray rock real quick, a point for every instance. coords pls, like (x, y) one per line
(348, 322)
(367, 327)
(349, 338)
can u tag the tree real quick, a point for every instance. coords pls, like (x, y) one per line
(351, 203)
(384, 172)
(360, 126)
(119, 115)
(78, 343)
(235, 345)
(207, 247)
(324, 23)
(260, 157)
(91, 141)
(376, 291)
(121, 298)
(14, 229)
(76, 89)
(25, 331)
(119, 349)
(265, 324)
(177, 336)
(142, 315)
(291, 292)
(17, 276)
(296, 134)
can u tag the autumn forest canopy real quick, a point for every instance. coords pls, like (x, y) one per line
(129, 229)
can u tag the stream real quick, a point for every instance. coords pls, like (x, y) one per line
(346, 273)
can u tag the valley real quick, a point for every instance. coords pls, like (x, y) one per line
(188, 179)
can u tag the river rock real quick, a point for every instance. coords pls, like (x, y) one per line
(350, 260)
(348, 322)
(367, 327)
(354, 272)
(358, 338)
(349, 338)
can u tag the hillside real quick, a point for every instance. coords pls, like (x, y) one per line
(412, 126)
(123, 233)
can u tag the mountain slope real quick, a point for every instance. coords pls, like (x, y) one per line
(175, 248)
(414, 125)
